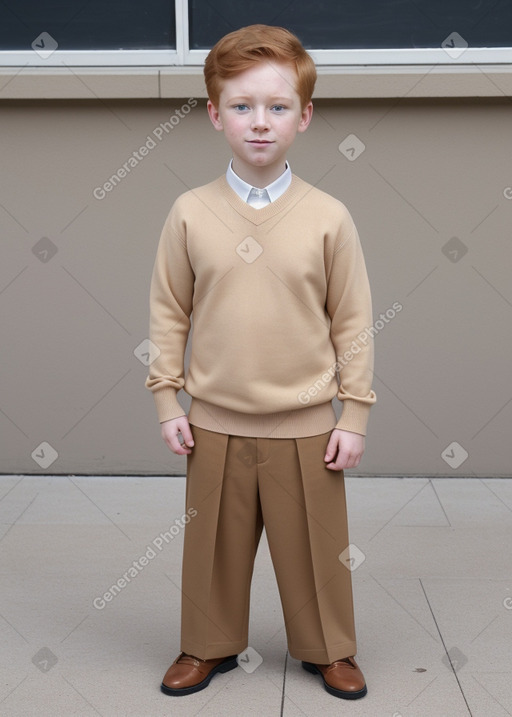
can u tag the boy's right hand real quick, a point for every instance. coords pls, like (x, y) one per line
(171, 432)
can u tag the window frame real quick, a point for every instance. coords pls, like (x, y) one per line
(183, 56)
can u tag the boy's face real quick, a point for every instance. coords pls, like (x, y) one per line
(260, 114)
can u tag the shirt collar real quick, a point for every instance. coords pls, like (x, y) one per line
(275, 189)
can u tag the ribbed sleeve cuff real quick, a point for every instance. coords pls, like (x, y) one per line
(354, 417)
(167, 405)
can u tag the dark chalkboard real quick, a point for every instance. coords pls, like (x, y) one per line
(359, 24)
(324, 24)
(89, 24)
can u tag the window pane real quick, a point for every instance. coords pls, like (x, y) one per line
(89, 25)
(359, 24)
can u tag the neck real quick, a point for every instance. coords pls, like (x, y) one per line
(259, 177)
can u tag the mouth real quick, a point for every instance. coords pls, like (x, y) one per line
(260, 141)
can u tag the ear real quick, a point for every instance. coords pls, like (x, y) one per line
(214, 115)
(305, 118)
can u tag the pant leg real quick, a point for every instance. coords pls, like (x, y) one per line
(220, 544)
(304, 512)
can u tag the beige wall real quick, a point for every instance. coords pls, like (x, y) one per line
(432, 170)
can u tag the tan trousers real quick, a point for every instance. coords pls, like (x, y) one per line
(237, 485)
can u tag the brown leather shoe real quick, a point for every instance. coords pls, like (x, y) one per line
(189, 674)
(342, 678)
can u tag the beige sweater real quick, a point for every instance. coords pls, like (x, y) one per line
(278, 297)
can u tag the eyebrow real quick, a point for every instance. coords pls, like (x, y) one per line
(244, 98)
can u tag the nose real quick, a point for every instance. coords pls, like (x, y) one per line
(259, 120)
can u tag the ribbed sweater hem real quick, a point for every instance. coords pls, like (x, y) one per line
(300, 423)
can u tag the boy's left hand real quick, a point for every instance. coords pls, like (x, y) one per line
(344, 450)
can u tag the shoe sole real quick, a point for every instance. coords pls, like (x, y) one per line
(310, 667)
(177, 692)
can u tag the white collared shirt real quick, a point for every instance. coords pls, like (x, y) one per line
(274, 190)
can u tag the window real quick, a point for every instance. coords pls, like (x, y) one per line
(87, 32)
(336, 32)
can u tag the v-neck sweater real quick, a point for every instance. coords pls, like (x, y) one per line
(280, 305)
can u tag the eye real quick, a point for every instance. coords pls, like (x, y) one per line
(278, 108)
(240, 107)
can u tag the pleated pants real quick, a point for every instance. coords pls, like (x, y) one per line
(237, 485)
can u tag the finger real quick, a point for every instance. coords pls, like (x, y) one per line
(343, 461)
(174, 444)
(179, 445)
(339, 464)
(180, 450)
(330, 451)
(186, 435)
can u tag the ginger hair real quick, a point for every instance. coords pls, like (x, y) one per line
(239, 50)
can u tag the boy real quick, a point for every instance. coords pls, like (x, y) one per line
(272, 271)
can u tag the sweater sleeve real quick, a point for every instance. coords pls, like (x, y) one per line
(350, 311)
(171, 295)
